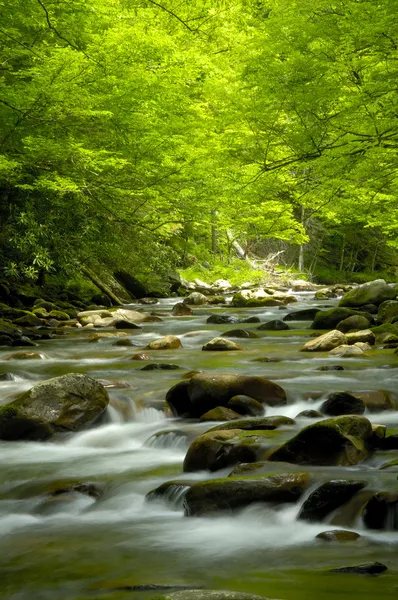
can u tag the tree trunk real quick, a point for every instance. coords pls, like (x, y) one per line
(101, 285)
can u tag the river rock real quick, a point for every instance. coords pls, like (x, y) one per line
(168, 342)
(329, 319)
(338, 535)
(234, 493)
(29, 320)
(223, 448)
(181, 310)
(336, 441)
(387, 311)
(373, 292)
(65, 403)
(346, 351)
(390, 442)
(220, 344)
(343, 403)
(309, 414)
(170, 492)
(325, 342)
(257, 424)
(381, 512)
(244, 405)
(26, 356)
(160, 367)
(218, 319)
(328, 497)
(275, 325)
(220, 413)
(374, 568)
(365, 336)
(254, 298)
(208, 390)
(195, 299)
(324, 294)
(305, 314)
(205, 391)
(124, 324)
(240, 333)
(353, 323)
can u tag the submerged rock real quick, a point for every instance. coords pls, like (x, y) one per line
(338, 535)
(240, 333)
(345, 351)
(65, 403)
(336, 441)
(374, 568)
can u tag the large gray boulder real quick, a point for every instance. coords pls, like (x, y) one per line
(66, 403)
(373, 292)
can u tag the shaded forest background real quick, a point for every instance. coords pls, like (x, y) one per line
(152, 136)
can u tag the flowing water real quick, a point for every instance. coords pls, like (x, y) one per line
(74, 546)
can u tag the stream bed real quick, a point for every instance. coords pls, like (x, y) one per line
(81, 547)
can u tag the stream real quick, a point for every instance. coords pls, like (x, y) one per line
(80, 547)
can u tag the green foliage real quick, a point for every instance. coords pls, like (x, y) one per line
(129, 128)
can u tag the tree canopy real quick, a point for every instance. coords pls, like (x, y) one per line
(128, 127)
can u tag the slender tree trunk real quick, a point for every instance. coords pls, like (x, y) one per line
(301, 248)
(214, 232)
(101, 285)
(240, 251)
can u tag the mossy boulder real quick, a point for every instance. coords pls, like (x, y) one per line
(29, 320)
(8, 328)
(257, 424)
(244, 405)
(327, 497)
(60, 315)
(45, 304)
(218, 319)
(387, 311)
(40, 312)
(220, 413)
(65, 403)
(234, 493)
(340, 440)
(323, 343)
(373, 292)
(366, 336)
(181, 310)
(329, 319)
(353, 323)
(195, 299)
(219, 449)
(256, 298)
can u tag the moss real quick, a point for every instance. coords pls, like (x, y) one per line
(40, 312)
(59, 315)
